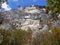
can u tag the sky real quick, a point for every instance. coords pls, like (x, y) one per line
(15, 3)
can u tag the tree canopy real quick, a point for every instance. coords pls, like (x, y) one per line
(54, 5)
(2, 1)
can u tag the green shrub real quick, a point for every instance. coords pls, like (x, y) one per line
(22, 37)
(14, 37)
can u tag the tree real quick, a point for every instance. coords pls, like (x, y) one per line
(1, 18)
(2, 1)
(53, 6)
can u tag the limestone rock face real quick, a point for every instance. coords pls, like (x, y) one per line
(17, 19)
(33, 24)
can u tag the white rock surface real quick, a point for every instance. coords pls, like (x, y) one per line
(5, 7)
(23, 20)
(59, 16)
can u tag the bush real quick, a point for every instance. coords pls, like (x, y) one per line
(21, 37)
(48, 38)
(14, 37)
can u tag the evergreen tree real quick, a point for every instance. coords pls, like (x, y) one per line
(53, 5)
